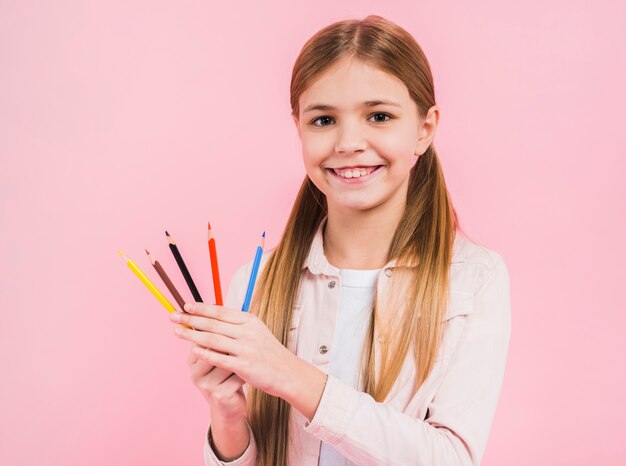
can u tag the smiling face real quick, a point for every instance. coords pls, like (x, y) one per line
(358, 150)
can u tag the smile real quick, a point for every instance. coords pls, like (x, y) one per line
(354, 174)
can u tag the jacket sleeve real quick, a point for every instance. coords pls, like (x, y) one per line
(247, 459)
(462, 410)
(234, 299)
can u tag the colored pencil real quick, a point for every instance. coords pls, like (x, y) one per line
(183, 268)
(253, 274)
(215, 270)
(146, 281)
(170, 286)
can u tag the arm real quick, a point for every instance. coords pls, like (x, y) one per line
(231, 443)
(456, 432)
(238, 432)
(232, 438)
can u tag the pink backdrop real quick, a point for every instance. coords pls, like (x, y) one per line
(119, 120)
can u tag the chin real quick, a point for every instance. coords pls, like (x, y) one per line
(356, 205)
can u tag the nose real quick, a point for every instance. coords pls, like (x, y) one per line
(350, 138)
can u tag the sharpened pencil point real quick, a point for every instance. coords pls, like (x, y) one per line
(166, 233)
(209, 225)
(147, 252)
(263, 235)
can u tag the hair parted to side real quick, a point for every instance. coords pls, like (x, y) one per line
(424, 236)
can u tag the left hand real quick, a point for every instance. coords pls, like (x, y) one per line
(240, 342)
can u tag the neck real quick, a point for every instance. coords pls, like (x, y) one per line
(360, 240)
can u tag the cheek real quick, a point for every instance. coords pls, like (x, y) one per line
(399, 150)
(310, 160)
(313, 170)
(400, 142)
(314, 151)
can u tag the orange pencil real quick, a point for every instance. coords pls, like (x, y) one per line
(215, 271)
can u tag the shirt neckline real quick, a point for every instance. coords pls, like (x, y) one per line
(355, 278)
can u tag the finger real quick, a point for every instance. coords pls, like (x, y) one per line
(235, 379)
(231, 384)
(214, 341)
(207, 324)
(216, 376)
(226, 391)
(219, 375)
(218, 312)
(193, 358)
(225, 361)
(196, 364)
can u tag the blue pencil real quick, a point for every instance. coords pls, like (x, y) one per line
(253, 274)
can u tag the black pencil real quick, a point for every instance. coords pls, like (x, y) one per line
(183, 269)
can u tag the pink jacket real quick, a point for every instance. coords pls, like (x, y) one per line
(448, 420)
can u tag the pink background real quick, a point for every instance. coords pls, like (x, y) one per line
(119, 120)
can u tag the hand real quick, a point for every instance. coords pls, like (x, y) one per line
(222, 389)
(237, 342)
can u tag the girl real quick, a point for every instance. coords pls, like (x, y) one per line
(377, 333)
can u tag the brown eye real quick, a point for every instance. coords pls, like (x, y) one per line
(384, 115)
(326, 118)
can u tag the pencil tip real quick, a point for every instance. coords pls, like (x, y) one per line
(120, 252)
(147, 252)
(209, 225)
(263, 235)
(167, 233)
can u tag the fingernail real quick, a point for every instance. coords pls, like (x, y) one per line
(175, 316)
(188, 307)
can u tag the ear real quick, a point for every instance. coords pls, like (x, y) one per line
(428, 127)
(296, 122)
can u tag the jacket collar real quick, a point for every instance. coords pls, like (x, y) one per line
(318, 264)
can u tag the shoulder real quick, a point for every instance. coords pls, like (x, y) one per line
(480, 288)
(475, 266)
(243, 271)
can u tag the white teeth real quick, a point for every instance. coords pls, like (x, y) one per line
(354, 173)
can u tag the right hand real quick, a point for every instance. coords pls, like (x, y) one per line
(222, 389)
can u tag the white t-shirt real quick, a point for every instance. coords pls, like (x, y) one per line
(355, 307)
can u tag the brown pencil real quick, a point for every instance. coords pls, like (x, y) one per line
(170, 286)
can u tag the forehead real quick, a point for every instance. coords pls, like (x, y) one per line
(349, 82)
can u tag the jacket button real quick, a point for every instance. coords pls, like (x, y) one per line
(332, 284)
(323, 349)
(388, 272)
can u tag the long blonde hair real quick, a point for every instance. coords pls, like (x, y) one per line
(424, 236)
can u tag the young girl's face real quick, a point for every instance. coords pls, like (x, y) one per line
(357, 150)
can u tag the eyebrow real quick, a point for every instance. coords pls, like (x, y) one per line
(367, 103)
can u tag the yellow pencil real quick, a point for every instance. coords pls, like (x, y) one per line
(146, 281)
